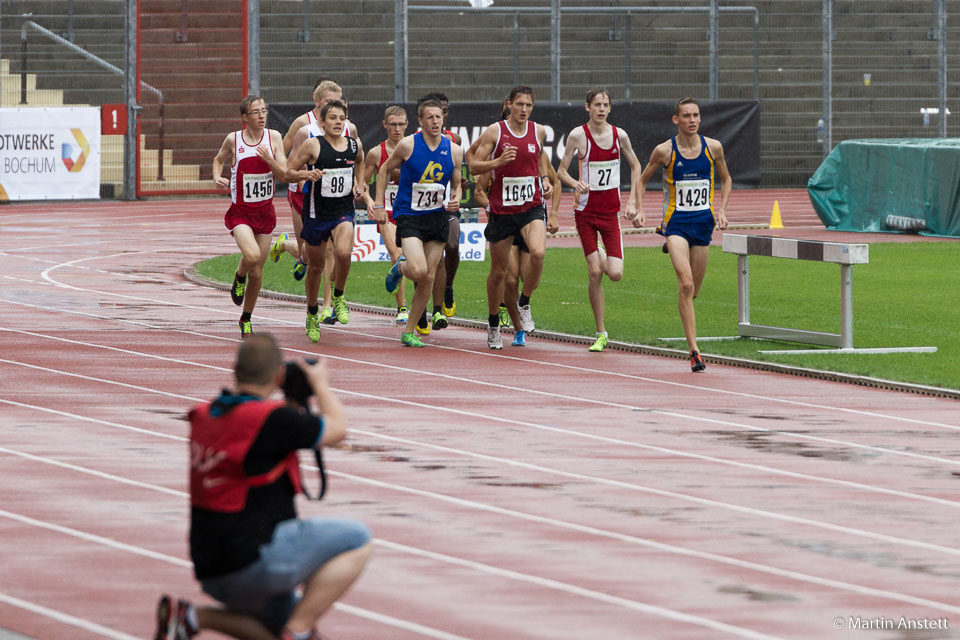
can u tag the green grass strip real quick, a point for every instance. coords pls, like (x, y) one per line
(909, 295)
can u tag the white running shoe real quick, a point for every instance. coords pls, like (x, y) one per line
(493, 338)
(526, 318)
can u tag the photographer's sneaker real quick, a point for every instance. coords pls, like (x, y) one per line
(696, 362)
(313, 327)
(410, 340)
(187, 626)
(340, 309)
(526, 318)
(277, 249)
(519, 339)
(394, 276)
(494, 341)
(164, 618)
(599, 345)
(238, 289)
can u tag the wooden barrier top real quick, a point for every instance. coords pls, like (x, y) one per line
(796, 249)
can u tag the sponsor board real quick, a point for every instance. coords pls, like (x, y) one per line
(368, 245)
(49, 153)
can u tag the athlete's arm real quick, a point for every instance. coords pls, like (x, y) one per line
(308, 152)
(576, 143)
(456, 154)
(546, 170)
(400, 153)
(553, 221)
(371, 160)
(487, 142)
(658, 158)
(223, 156)
(633, 213)
(295, 126)
(360, 191)
(726, 182)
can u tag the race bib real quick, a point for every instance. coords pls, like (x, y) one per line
(257, 187)
(389, 196)
(693, 195)
(604, 175)
(518, 191)
(336, 183)
(427, 195)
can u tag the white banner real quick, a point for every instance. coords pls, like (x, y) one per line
(368, 245)
(49, 153)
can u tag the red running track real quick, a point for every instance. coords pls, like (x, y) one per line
(536, 493)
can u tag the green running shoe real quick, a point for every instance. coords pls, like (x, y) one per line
(599, 345)
(313, 327)
(299, 271)
(340, 309)
(410, 340)
(504, 316)
(439, 321)
(246, 328)
(327, 317)
(277, 249)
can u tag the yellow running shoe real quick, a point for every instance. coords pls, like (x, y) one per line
(599, 345)
(340, 309)
(313, 327)
(277, 249)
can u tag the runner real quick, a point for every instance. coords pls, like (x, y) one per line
(428, 162)
(516, 204)
(599, 146)
(395, 122)
(251, 217)
(306, 126)
(328, 208)
(691, 163)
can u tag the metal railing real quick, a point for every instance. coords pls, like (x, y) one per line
(29, 24)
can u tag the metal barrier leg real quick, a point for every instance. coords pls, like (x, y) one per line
(846, 306)
(743, 289)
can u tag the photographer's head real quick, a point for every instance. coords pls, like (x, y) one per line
(259, 364)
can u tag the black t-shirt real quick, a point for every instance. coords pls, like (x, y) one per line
(332, 196)
(222, 543)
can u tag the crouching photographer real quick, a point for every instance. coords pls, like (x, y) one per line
(249, 549)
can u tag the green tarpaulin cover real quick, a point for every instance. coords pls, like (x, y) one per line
(890, 185)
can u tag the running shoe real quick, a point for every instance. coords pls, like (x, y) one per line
(665, 248)
(449, 303)
(423, 327)
(520, 339)
(599, 345)
(410, 340)
(526, 318)
(494, 341)
(313, 327)
(246, 328)
(696, 362)
(439, 321)
(504, 316)
(299, 271)
(403, 314)
(187, 626)
(164, 618)
(327, 317)
(238, 289)
(277, 249)
(340, 308)
(394, 276)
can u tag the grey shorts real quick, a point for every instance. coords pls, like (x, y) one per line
(266, 589)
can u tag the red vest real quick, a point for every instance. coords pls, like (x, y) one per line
(218, 446)
(515, 187)
(600, 168)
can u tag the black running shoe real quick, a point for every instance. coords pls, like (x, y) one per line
(237, 290)
(164, 618)
(696, 362)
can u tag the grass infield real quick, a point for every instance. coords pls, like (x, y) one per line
(909, 295)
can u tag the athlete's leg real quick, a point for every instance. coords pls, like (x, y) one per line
(315, 258)
(595, 270)
(680, 252)
(249, 248)
(388, 231)
(511, 283)
(328, 275)
(698, 264)
(342, 239)
(415, 268)
(451, 262)
(255, 275)
(499, 261)
(535, 235)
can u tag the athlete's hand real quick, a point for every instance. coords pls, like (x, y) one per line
(313, 175)
(377, 215)
(453, 206)
(722, 220)
(547, 187)
(221, 183)
(317, 374)
(581, 187)
(509, 155)
(638, 219)
(358, 191)
(553, 223)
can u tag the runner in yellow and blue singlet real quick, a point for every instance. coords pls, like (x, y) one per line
(688, 196)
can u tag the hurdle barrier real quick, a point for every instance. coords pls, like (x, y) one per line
(842, 253)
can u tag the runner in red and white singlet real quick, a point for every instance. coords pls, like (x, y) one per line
(251, 217)
(395, 122)
(513, 150)
(599, 146)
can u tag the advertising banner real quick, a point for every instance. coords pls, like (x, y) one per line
(735, 124)
(368, 245)
(49, 153)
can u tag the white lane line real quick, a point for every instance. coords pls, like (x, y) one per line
(907, 542)
(673, 452)
(589, 530)
(579, 369)
(64, 618)
(547, 583)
